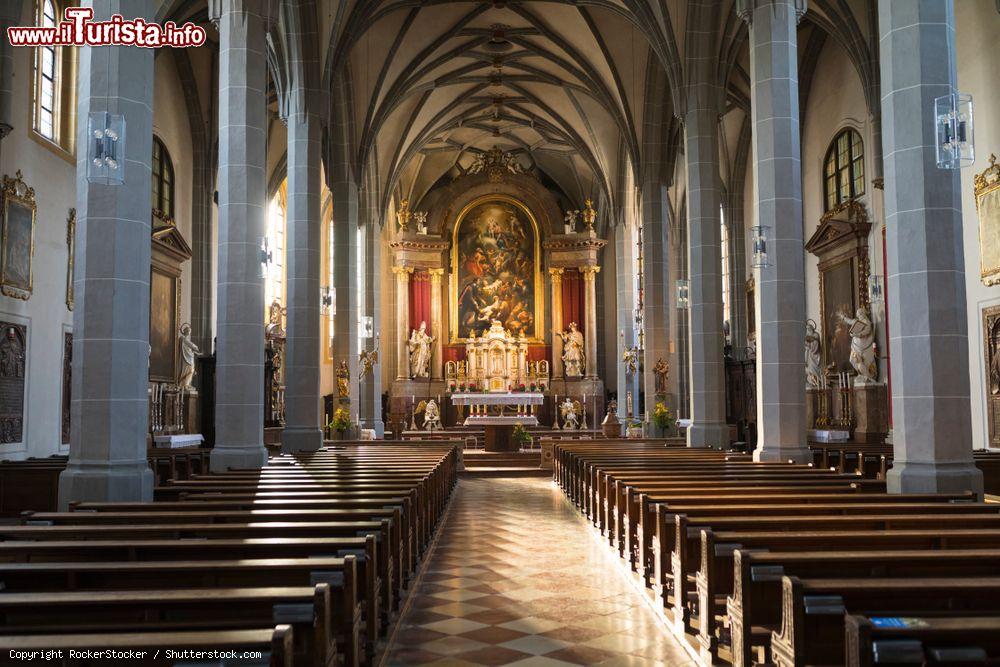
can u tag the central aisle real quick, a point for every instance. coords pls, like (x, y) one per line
(516, 578)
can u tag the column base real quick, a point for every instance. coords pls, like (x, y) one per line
(708, 435)
(250, 457)
(301, 440)
(378, 426)
(782, 454)
(105, 482)
(914, 477)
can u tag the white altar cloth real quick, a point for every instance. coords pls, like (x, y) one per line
(506, 420)
(499, 398)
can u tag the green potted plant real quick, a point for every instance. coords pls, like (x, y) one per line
(520, 436)
(340, 423)
(662, 419)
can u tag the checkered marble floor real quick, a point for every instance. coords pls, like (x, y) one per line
(515, 578)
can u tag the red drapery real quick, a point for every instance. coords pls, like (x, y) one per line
(420, 301)
(572, 300)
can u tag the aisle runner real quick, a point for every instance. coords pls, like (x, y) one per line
(516, 579)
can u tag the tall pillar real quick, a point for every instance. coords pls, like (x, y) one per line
(932, 438)
(590, 303)
(345, 276)
(437, 326)
(302, 347)
(556, 275)
(109, 410)
(371, 386)
(239, 372)
(656, 287)
(10, 14)
(624, 283)
(402, 320)
(780, 296)
(708, 401)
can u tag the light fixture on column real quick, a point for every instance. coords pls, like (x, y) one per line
(683, 294)
(263, 256)
(875, 293)
(106, 148)
(759, 238)
(953, 127)
(326, 299)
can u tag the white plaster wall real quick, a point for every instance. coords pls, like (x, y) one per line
(45, 313)
(978, 33)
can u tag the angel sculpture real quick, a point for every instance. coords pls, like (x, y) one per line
(570, 410)
(814, 367)
(367, 359)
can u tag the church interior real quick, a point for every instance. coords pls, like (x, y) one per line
(500, 332)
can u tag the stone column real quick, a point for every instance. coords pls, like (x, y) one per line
(708, 409)
(932, 436)
(345, 273)
(10, 14)
(780, 308)
(590, 303)
(109, 411)
(239, 372)
(437, 327)
(625, 285)
(402, 320)
(302, 351)
(556, 275)
(656, 287)
(371, 387)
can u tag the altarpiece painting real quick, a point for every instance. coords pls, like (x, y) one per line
(495, 255)
(18, 238)
(987, 190)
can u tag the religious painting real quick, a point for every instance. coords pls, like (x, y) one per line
(495, 260)
(987, 191)
(18, 238)
(991, 359)
(13, 357)
(164, 294)
(839, 297)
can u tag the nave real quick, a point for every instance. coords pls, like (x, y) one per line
(515, 577)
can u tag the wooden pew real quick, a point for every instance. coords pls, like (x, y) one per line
(274, 644)
(931, 640)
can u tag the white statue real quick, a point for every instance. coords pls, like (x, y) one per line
(432, 416)
(569, 410)
(569, 222)
(752, 345)
(862, 344)
(420, 218)
(814, 369)
(574, 359)
(188, 351)
(420, 351)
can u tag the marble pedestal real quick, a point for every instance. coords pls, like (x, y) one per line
(871, 412)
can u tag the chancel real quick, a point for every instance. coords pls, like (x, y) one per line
(491, 332)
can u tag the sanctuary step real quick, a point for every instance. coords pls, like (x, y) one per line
(503, 464)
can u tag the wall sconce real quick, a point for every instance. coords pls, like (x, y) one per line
(875, 293)
(106, 148)
(326, 295)
(683, 294)
(263, 256)
(953, 127)
(759, 238)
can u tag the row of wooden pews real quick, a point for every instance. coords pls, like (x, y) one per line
(306, 561)
(778, 563)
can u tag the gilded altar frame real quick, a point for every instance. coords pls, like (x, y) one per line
(987, 193)
(18, 240)
(539, 288)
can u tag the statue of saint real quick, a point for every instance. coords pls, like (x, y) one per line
(661, 371)
(432, 416)
(569, 410)
(862, 344)
(188, 352)
(420, 351)
(343, 380)
(366, 362)
(569, 222)
(574, 359)
(814, 368)
(752, 345)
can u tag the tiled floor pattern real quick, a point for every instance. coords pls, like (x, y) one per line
(516, 578)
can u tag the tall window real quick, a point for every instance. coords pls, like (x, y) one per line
(163, 179)
(46, 96)
(844, 169)
(274, 285)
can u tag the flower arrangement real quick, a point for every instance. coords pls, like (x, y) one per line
(520, 387)
(521, 435)
(534, 387)
(461, 387)
(451, 388)
(662, 417)
(472, 386)
(341, 420)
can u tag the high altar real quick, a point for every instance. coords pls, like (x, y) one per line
(494, 270)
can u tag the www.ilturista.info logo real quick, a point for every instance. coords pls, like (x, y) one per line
(79, 29)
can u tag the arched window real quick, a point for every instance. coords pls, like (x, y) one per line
(47, 95)
(163, 179)
(274, 284)
(844, 169)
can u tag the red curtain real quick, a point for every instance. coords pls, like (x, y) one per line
(420, 301)
(572, 300)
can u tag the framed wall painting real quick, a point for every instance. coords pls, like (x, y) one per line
(18, 237)
(987, 190)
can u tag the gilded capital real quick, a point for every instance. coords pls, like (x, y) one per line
(402, 273)
(589, 272)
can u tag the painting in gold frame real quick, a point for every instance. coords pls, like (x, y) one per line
(987, 190)
(18, 238)
(164, 315)
(496, 269)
